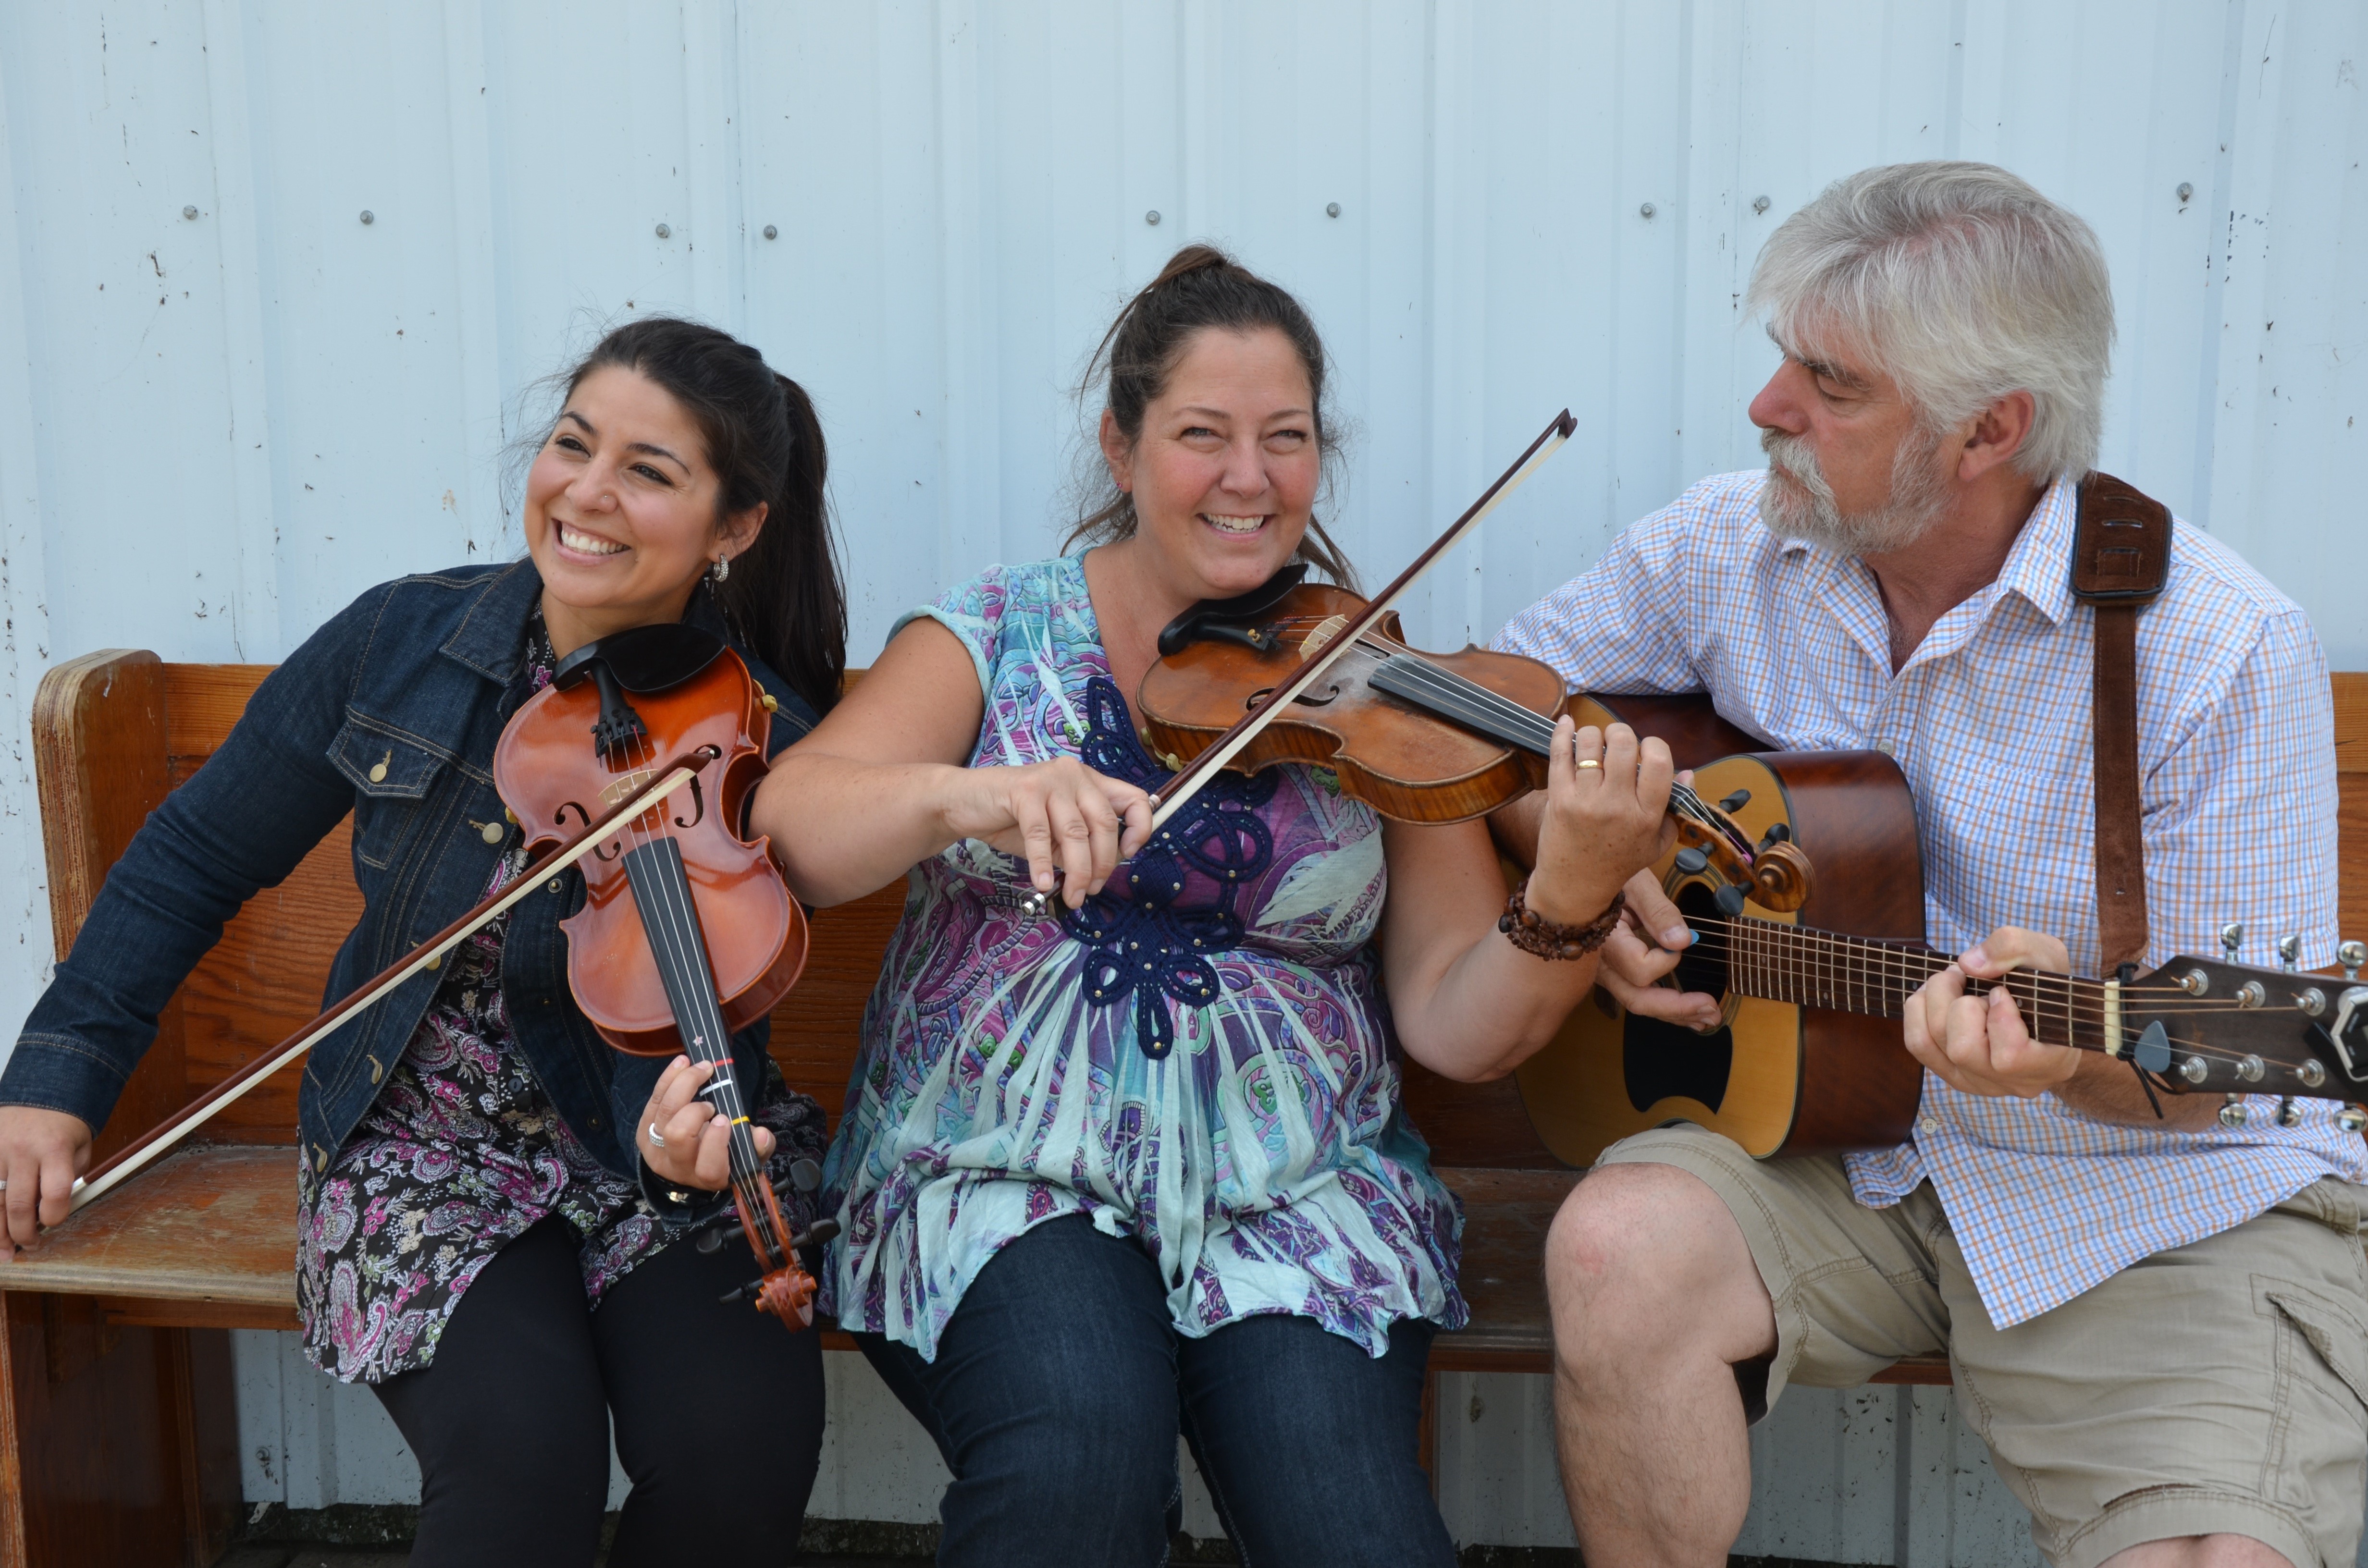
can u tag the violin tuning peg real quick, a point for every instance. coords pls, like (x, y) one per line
(1735, 801)
(806, 1175)
(2351, 955)
(1729, 900)
(822, 1232)
(2290, 953)
(748, 1292)
(708, 1242)
(2232, 938)
(1778, 833)
(1691, 862)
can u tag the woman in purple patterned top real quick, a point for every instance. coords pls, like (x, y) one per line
(1142, 1168)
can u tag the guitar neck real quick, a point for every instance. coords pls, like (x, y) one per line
(1858, 974)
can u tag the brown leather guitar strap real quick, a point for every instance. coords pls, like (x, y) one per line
(2121, 552)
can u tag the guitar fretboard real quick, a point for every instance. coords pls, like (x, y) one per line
(1859, 974)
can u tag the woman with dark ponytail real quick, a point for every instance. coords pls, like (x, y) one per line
(490, 1197)
(1142, 1167)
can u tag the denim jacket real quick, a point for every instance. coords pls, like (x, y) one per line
(392, 711)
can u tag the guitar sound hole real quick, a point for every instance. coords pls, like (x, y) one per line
(1660, 1060)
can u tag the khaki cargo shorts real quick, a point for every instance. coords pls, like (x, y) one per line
(2221, 1386)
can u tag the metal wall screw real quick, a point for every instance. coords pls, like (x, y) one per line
(190, 212)
(369, 216)
(1331, 210)
(2186, 191)
(1645, 211)
(1759, 204)
(664, 233)
(1151, 217)
(771, 233)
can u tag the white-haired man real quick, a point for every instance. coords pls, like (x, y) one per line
(2159, 1326)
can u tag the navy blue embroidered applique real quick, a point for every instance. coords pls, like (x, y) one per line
(1138, 944)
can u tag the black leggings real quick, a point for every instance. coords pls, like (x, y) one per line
(719, 1415)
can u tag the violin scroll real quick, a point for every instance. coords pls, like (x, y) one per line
(1777, 874)
(1780, 878)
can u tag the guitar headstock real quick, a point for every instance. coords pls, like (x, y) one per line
(2217, 1025)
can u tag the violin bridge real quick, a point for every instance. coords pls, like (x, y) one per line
(1327, 630)
(625, 786)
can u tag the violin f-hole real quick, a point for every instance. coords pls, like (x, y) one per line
(698, 807)
(1251, 703)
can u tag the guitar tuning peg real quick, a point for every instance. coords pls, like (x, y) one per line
(2232, 938)
(2289, 1113)
(2232, 1112)
(2351, 955)
(2351, 1119)
(2289, 954)
(1735, 801)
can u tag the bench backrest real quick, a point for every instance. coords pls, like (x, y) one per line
(114, 731)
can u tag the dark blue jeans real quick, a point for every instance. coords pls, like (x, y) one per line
(1060, 1387)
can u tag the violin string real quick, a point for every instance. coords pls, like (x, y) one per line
(1457, 696)
(673, 939)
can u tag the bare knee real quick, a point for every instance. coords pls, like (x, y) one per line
(2200, 1552)
(1647, 1255)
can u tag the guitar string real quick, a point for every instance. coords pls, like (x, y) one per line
(2069, 1001)
(2066, 1007)
(1855, 949)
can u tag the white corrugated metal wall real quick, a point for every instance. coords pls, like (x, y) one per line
(215, 429)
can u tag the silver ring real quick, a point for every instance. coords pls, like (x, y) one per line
(655, 1141)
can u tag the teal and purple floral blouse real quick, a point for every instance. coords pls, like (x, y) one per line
(1201, 1057)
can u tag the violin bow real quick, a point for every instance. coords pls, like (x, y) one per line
(160, 1139)
(1171, 797)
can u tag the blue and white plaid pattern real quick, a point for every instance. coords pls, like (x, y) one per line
(1990, 722)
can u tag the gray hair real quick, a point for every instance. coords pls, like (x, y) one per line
(1964, 284)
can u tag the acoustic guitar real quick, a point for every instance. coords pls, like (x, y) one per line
(1807, 1058)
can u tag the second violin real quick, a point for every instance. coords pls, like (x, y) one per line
(1420, 737)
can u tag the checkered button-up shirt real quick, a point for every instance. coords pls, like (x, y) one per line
(1990, 720)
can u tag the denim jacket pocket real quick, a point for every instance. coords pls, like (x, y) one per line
(393, 772)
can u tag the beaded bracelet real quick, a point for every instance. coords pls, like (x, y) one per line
(1547, 940)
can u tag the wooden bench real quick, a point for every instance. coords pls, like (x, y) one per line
(118, 1431)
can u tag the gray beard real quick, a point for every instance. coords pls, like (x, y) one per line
(1797, 503)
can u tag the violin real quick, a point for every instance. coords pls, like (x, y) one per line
(688, 932)
(1301, 672)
